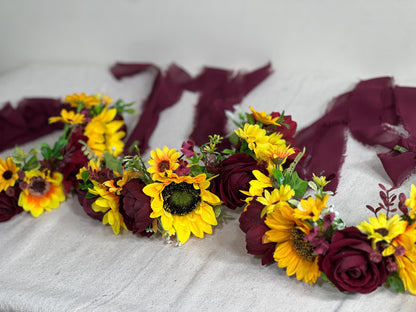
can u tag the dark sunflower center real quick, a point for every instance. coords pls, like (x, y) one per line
(7, 175)
(180, 198)
(382, 231)
(38, 186)
(163, 165)
(302, 247)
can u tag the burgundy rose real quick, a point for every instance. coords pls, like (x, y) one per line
(350, 263)
(86, 204)
(253, 225)
(235, 175)
(8, 205)
(135, 207)
(74, 160)
(287, 133)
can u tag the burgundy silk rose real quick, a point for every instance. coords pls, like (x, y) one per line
(253, 225)
(135, 207)
(235, 175)
(350, 263)
(8, 205)
(86, 204)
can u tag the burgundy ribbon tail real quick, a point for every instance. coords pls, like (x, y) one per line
(219, 91)
(27, 122)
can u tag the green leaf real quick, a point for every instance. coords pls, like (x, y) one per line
(298, 185)
(89, 195)
(32, 164)
(58, 146)
(46, 151)
(197, 170)
(278, 174)
(234, 138)
(113, 163)
(395, 282)
(85, 175)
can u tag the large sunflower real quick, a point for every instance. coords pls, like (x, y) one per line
(44, 191)
(184, 205)
(8, 173)
(292, 251)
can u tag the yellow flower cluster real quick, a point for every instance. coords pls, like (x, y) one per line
(271, 148)
(104, 133)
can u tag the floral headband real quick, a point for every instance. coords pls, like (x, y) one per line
(287, 216)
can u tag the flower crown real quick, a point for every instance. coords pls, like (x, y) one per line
(287, 218)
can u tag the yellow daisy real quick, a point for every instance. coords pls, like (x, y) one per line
(107, 100)
(253, 135)
(311, 208)
(44, 192)
(411, 202)
(275, 199)
(292, 251)
(184, 205)
(264, 118)
(380, 229)
(68, 117)
(8, 173)
(257, 185)
(82, 99)
(104, 133)
(108, 203)
(163, 162)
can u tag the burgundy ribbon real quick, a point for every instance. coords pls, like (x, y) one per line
(219, 90)
(28, 121)
(368, 112)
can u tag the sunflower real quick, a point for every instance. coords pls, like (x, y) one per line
(411, 202)
(68, 117)
(104, 133)
(8, 173)
(292, 251)
(163, 162)
(406, 261)
(82, 100)
(108, 203)
(380, 229)
(44, 191)
(264, 118)
(184, 205)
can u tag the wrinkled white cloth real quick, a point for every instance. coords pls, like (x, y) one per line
(66, 261)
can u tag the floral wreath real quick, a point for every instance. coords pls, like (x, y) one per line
(287, 217)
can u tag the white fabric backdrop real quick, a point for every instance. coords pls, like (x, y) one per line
(66, 261)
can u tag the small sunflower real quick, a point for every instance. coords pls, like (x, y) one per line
(184, 205)
(68, 117)
(44, 191)
(264, 118)
(411, 202)
(380, 229)
(82, 100)
(108, 203)
(8, 173)
(292, 251)
(163, 162)
(104, 133)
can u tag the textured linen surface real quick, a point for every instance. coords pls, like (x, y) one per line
(66, 261)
